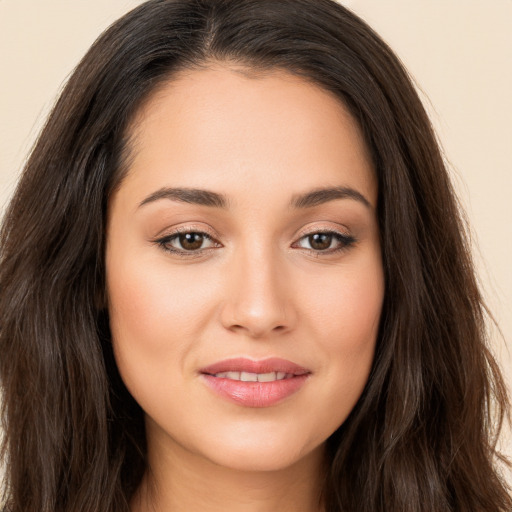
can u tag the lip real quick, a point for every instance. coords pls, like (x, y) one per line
(242, 364)
(255, 394)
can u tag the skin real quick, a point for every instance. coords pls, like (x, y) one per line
(257, 289)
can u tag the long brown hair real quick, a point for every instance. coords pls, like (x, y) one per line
(422, 436)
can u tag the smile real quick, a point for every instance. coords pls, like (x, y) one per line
(254, 377)
(255, 383)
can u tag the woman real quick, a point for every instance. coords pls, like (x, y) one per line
(234, 276)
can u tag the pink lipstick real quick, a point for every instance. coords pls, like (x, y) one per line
(255, 383)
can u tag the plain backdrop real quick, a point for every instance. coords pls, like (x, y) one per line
(458, 51)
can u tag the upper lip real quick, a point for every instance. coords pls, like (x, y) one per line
(242, 364)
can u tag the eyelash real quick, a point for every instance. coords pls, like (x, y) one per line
(164, 242)
(344, 241)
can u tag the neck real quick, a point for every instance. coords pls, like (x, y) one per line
(181, 481)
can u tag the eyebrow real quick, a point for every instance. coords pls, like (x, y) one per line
(213, 199)
(324, 195)
(188, 195)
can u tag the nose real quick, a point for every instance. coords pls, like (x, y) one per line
(259, 301)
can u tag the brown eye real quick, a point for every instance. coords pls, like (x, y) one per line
(328, 242)
(191, 241)
(320, 241)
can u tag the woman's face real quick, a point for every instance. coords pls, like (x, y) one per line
(244, 270)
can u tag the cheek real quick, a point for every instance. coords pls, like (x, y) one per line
(347, 306)
(155, 319)
(150, 304)
(345, 314)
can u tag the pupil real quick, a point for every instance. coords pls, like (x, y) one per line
(191, 241)
(320, 241)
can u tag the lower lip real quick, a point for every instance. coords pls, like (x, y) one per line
(255, 394)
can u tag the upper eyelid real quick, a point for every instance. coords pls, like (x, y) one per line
(304, 231)
(193, 229)
(312, 231)
(169, 232)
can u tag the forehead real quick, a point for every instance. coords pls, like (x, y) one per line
(224, 127)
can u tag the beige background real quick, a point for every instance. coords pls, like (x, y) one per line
(459, 51)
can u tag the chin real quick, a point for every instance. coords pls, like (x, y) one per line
(261, 453)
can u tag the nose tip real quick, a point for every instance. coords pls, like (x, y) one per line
(257, 314)
(258, 302)
(257, 323)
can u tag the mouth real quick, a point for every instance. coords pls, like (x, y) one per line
(254, 377)
(255, 383)
(242, 368)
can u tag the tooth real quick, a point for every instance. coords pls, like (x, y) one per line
(248, 377)
(266, 377)
(254, 377)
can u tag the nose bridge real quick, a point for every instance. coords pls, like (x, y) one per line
(259, 300)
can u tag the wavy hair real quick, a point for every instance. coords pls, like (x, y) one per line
(421, 438)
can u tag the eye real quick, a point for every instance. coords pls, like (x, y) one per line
(187, 242)
(325, 241)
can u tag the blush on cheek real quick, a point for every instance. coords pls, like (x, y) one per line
(155, 309)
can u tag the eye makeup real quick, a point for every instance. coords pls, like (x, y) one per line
(193, 242)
